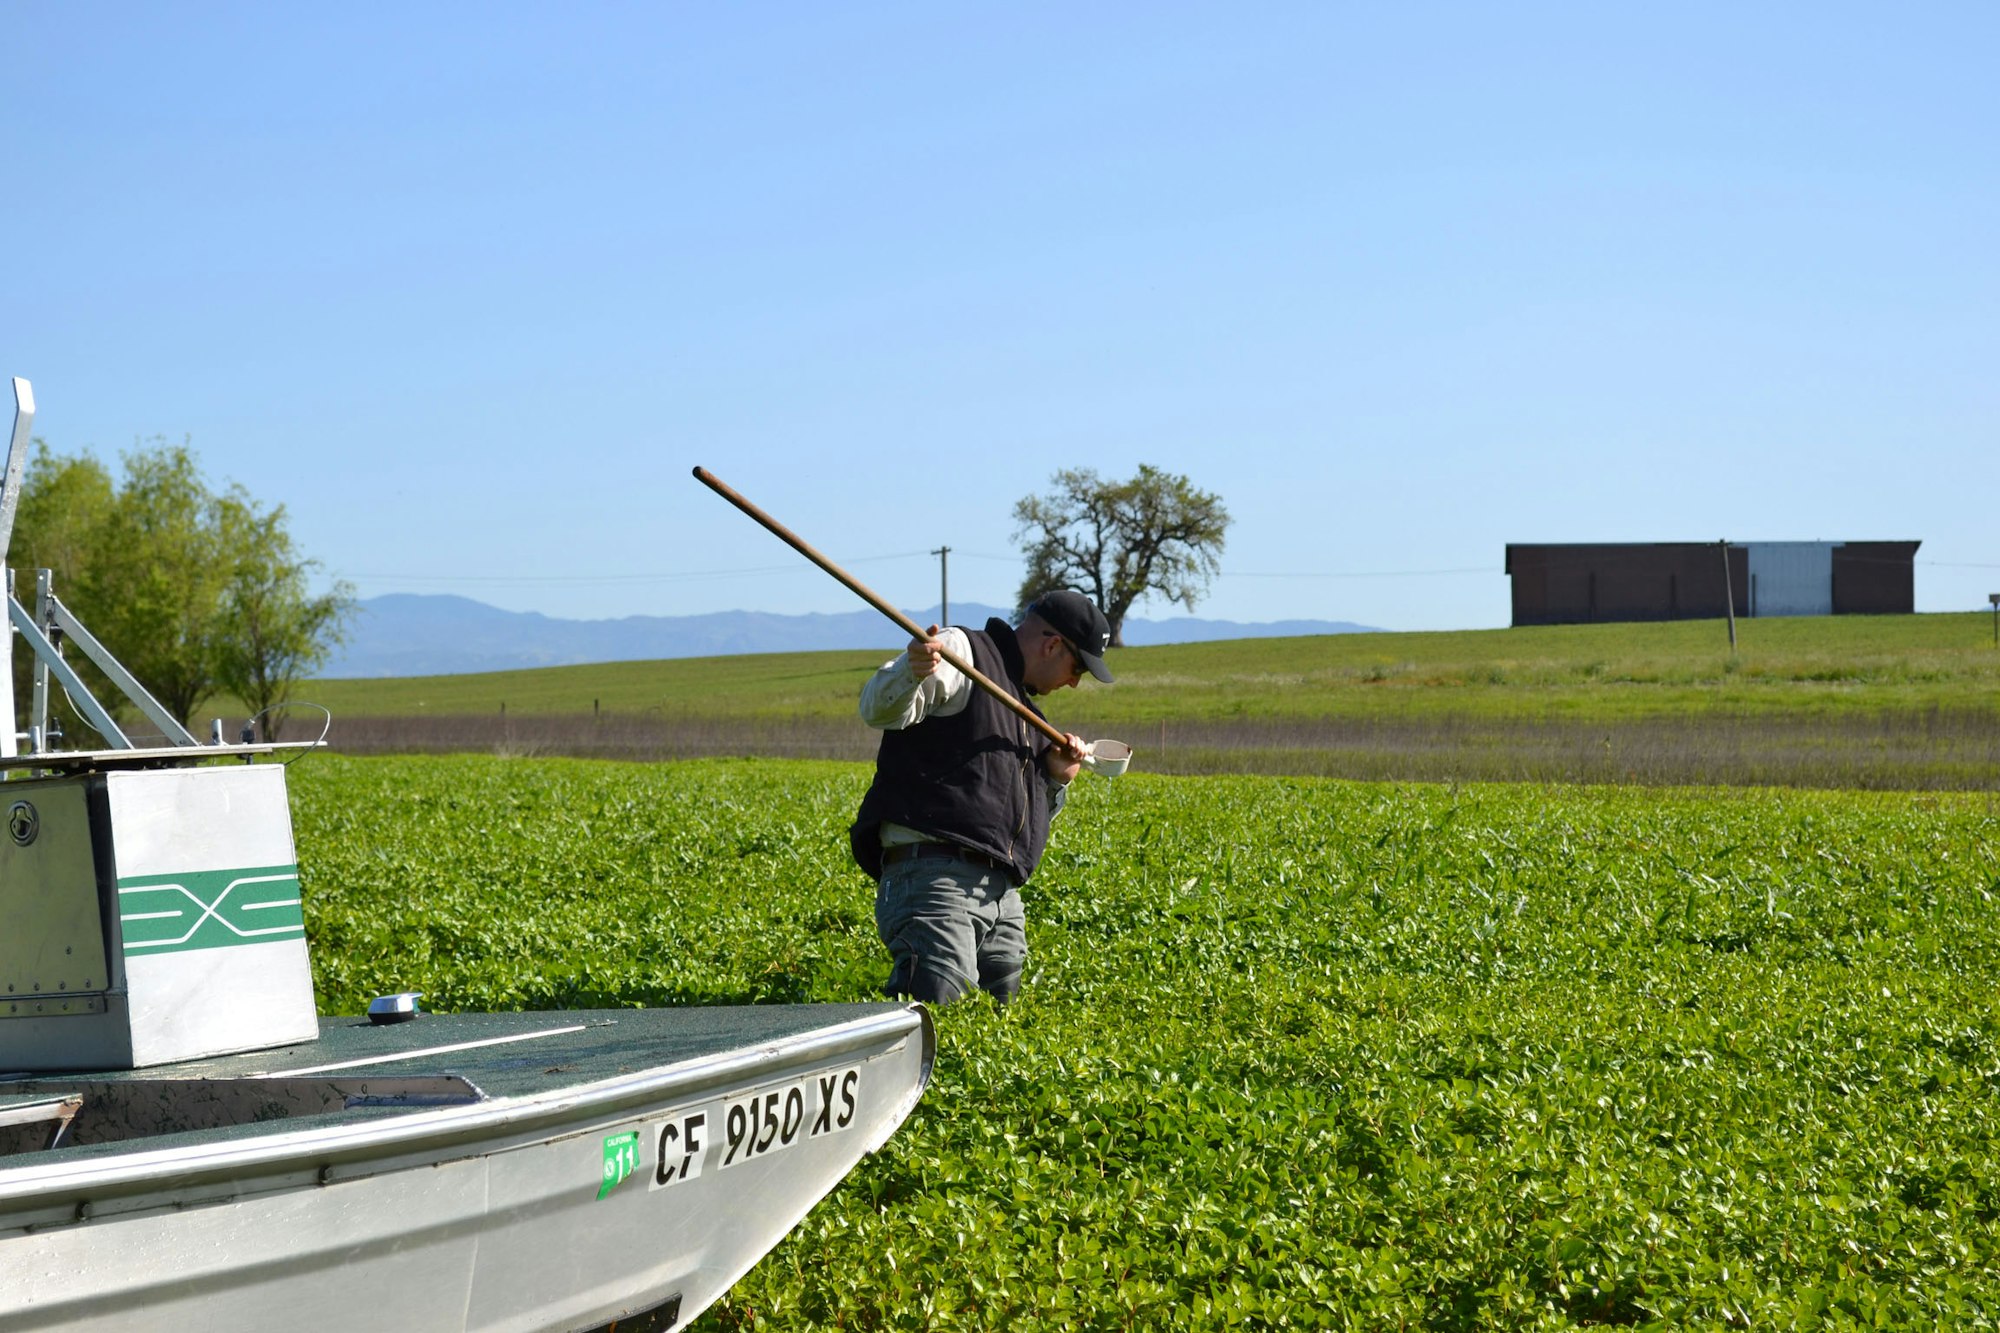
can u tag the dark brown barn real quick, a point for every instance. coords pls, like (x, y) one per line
(1580, 583)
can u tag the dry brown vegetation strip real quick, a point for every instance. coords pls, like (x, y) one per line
(1930, 749)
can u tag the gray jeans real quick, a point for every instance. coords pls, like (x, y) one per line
(950, 925)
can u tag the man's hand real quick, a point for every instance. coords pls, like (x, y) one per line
(1063, 762)
(925, 654)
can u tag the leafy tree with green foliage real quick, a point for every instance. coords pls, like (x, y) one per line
(191, 590)
(63, 503)
(272, 630)
(151, 589)
(1120, 541)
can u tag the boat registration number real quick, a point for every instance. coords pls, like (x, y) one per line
(749, 1126)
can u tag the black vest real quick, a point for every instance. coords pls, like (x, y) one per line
(974, 778)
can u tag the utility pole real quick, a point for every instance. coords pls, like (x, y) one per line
(1728, 597)
(943, 553)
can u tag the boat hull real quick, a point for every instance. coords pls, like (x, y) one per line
(571, 1173)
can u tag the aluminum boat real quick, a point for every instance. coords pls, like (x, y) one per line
(186, 1142)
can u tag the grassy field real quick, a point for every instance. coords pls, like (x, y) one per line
(1293, 1052)
(1890, 701)
(1820, 665)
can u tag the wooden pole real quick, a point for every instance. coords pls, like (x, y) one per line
(1728, 597)
(902, 622)
(943, 553)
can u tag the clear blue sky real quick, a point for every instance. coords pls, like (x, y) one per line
(471, 288)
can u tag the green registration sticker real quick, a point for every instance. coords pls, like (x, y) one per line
(621, 1159)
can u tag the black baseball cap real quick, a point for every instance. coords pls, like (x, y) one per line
(1078, 620)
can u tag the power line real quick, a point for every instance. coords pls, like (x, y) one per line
(680, 577)
(1355, 574)
(1279, 574)
(1635, 559)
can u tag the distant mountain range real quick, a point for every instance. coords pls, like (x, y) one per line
(410, 634)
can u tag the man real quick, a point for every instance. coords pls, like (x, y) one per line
(964, 791)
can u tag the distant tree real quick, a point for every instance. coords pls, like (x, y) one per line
(273, 631)
(1121, 541)
(190, 590)
(64, 502)
(153, 588)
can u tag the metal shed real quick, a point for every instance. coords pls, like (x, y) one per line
(1582, 583)
(1791, 578)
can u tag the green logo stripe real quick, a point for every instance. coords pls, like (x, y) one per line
(210, 909)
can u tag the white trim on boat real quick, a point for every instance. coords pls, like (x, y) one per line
(417, 1055)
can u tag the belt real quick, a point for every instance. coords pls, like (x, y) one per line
(906, 851)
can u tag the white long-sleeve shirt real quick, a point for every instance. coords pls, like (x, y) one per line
(894, 698)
